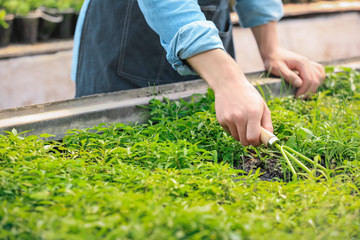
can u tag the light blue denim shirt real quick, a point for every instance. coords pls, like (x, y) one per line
(183, 29)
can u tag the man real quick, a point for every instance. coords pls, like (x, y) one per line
(124, 44)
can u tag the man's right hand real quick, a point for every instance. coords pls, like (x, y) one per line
(240, 109)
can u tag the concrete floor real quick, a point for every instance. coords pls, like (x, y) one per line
(35, 79)
(45, 78)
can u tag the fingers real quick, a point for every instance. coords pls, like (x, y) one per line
(312, 75)
(307, 80)
(254, 123)
(244, 117)
(253, 129)
(302, 73)
(246, 127)
(280, 69)
(292, 77)
(235, 124)
(321, 71)
(233, 130)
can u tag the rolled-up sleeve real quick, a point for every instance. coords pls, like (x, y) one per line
(254, 13)
(183, 30)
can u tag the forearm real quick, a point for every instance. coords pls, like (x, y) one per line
(266, 37)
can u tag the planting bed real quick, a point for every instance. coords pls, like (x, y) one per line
(180, 176)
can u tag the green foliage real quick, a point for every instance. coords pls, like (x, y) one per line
(23, 7)
(3, 23)
(173, 178)
(19, 7)
(328, 124)
(62, 4)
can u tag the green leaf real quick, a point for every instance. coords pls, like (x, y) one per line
(46, 135)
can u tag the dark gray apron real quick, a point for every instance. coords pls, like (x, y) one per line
(119, 51)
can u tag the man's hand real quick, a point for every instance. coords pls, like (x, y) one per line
(302, 73)
(240, 109)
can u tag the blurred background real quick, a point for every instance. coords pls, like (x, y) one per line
(36, 43)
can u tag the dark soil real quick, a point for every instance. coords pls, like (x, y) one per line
(270, 170)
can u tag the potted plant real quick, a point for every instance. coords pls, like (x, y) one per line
(26, 19)
(64, 29)
(49, 20)
(6, 25)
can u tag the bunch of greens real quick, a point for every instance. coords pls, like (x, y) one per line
(174, 178)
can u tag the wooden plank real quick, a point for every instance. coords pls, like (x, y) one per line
(322, 7)
(306, 9)
(20, 50)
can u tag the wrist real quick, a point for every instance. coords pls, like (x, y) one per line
(268, 54)
(218, 69)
